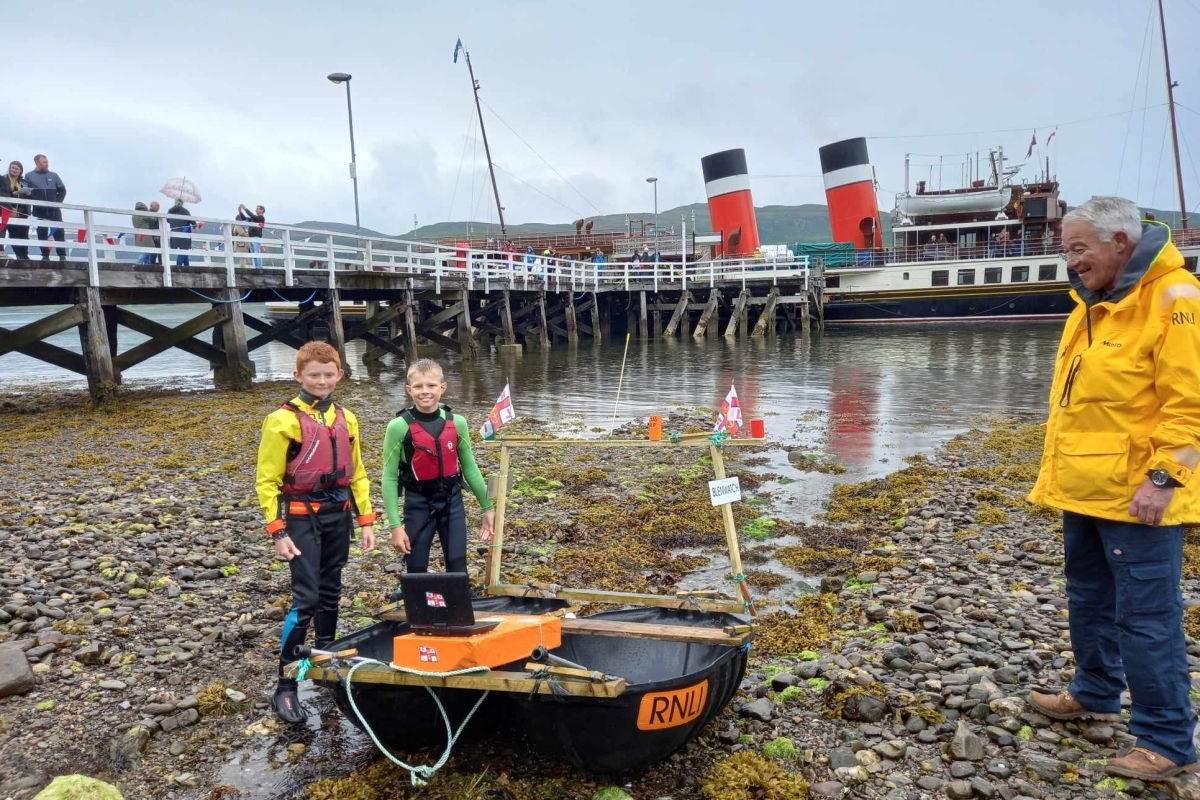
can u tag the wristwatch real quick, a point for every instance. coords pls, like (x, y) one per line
(1162, 479)
(280, 534)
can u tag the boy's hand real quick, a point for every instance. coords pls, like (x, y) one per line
(400, 540)
(286, 548)
(489, 525)
(368, 538)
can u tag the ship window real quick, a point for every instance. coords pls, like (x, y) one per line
(993, 274)
(941, 277)
(833, 281)
(1193, 269)
(966, 277)
(1189, 263)
(1048, 272)
(1019, 275)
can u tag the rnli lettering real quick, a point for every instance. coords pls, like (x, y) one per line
(661, 710)
(1183, 318)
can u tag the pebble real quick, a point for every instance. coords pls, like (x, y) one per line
(113, 686)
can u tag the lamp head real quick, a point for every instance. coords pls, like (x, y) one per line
(651, 180)
(339, 77)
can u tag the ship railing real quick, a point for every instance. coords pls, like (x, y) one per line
(94, 236)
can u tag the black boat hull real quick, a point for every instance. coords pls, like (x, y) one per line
(1036, 303)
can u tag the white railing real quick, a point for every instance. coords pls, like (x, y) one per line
(96, 235)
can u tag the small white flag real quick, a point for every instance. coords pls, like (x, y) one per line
(501, 413)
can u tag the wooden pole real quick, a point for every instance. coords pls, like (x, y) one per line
(680, 313)
(337, 333)
(706, 315)
(1183, 219)
(597, 334)
(735, 555)
(410, 326)
(236, 370)
(496, 546)
(643, 326)
(466, 334)
(620, 381)
(97, 358)
(506, 323)
(766, 322)
(544, 335)
(571, 323)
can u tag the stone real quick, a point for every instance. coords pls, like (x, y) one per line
(852, 774)
(893, 750)
(959, 790)
(113, 686)
(1008, 706)
(966, 746)
(158, 709)
(999, 767)
(962, 769)
(1098, 734)
(235, 696)
(840, 757)
(760, 709)
(89, 654)
(1006, 675)
(831, 584)
(982, 788)
(1042, 768)
(16, 676)
(829, 789)
(807, 669)
(930, 783)
(729, 736)
(126, 750)
(864, 708)
(78, 787)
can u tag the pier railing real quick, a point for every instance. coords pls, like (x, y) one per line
(105, 238)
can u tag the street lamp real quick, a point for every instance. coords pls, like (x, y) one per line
(343, 77)
(655, 182)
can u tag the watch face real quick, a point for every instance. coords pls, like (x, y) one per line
(1160, 477)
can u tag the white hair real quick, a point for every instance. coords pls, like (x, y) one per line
(1107, 215)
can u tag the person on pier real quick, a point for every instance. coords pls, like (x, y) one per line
(427, 456)
(312, 487)
(13, 185)
(46, 185)
(1121, 452)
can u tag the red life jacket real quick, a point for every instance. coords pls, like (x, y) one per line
(432, 450)
(323, 459)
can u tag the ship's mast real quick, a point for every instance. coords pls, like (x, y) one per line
(486, 150)
(1183, 215)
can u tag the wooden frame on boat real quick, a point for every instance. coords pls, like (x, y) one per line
(525, 682)
(701, 601)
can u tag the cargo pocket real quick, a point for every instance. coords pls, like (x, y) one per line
(1092, 466)
(1149, 588)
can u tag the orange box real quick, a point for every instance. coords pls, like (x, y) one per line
(655, 428)
(514, 639)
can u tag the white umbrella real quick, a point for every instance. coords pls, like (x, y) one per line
(181, 189)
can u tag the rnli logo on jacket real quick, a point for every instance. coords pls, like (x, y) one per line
(450, 446)
(428, 655)
(1183, 318)
(435, 600)
(661, 710)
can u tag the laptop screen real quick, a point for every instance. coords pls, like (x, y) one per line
(437, 599)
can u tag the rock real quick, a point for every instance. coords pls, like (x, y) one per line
(729, 736)
(1185, 787)
(807, 669)
(78, 787)
(782, 681)
(966, 746)
(830, 789)
(1042, 768)
(893, 750)
(832, 584)
(125, 751)
(113, 686)
(760, 709)
(16, 676)
(875, 612)
(999, 767)
(959, 790)
(180, 720)
(962, 769)
(982, 788)
(1008, 675)
(89, 654)
(852, 774)
(1008, 706)
(1098, 734)
(864, 708)
(235, 696)
(841, 757)
(930, 783)
(612, 793)
(158, 709)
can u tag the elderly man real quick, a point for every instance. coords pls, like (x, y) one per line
(1121, 446)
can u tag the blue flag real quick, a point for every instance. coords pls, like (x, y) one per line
(457, 47)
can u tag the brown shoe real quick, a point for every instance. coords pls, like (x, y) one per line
(1064, 706)
(1143, 764)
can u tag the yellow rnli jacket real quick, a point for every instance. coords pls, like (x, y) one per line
(280, 429)
(1126, 393)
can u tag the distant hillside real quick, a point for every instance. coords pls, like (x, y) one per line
(776, 224)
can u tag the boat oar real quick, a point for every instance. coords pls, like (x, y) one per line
(619, 382)
(544, 656)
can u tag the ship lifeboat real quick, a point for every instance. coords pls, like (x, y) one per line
(990, 200)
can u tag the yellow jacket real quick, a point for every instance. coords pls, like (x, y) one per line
(1126, 393)
(280, 429)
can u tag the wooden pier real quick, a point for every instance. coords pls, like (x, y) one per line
(463, 301)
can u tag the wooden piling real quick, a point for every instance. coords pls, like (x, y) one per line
(569, 319)
(678, 315)
(709, 308)
(410, 327)
(466, 333)
(739, 313)
(598, 333)
(543, 329)
(236, 370)
(643, 323)
(766, 321)
(506, 320)
(372, 353)
(337, 333)
(97, 357)
(657, 318)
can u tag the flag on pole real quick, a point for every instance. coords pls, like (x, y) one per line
(81, 235)
(501, 413)
(1032, 142)
(457, 47)
(729, 419)
(1050, 138)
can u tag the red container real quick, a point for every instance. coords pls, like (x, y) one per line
(758, 429)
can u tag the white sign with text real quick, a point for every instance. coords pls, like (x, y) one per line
(724, 491)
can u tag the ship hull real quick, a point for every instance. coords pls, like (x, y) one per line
(1048, 302)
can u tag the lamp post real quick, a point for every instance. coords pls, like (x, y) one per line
(343, 77)
(655, 182)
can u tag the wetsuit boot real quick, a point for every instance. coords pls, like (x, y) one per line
(325, 625)
(286, 702)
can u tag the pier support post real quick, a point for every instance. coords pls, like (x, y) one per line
(337, 333)
(236, 372)
(372, 353)
(706, 315)
(643, 323)
(605, 316)
(544, 329)
(680, 313)
(766, 321)
(97, 357)
(306, 330)
(410, 327)
(738, 319)
(110, 327)
(805, 322)
(571, 323)
(506, 322)
(466, 333)
(657, 318)
(597, 333)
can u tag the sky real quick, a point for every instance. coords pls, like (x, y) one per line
(585, 101)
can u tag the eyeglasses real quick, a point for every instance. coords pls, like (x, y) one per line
(1074, 255)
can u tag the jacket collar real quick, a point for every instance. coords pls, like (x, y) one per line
(1147, 263)
(311, 401)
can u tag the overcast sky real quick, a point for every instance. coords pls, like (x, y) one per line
(125, 94)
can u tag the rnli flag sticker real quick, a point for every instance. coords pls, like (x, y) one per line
(429, 655)
(435, 600)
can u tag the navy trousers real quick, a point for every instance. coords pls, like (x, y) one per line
(1127, 627)
(324, 542)
(443, 515)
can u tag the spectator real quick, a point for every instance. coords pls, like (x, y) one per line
(13, 185)
(179, 225)
(143, 223)
(254, 231)
(157, 257)
(46, 185)
(1004, 240)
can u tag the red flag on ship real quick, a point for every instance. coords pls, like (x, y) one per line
(1050, 138)
(1032, 142)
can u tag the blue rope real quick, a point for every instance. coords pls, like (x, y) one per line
(215, 300)
(718, 438)
(302, 302)
(301, 669)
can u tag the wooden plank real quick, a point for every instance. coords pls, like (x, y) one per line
(444, 341)
(497, 681)
(148, 327)
(588, 626)
(544, 339)
(43, 328)
(382, 317)
(570, 673)
(410, 329)
(706, 314)
(679, 314)
(731, 540)
(686, 440)
(597, 329)
(53, 354)
(383, 344)
(506, 319)
(619, 598)
(496, 546)
(278, 331)
(337, 331)
(290, 339)
(466, 335)
(766, 321)
(442, 316)
(166, 341)
(739, 311)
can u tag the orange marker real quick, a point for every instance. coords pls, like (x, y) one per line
(655, 428)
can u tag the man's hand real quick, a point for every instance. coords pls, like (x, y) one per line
(368, 538)
(400, 540)
(489, 525)
(286, 548)
(1149, 503)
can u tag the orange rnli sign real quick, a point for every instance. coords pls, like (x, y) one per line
(671, 709)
